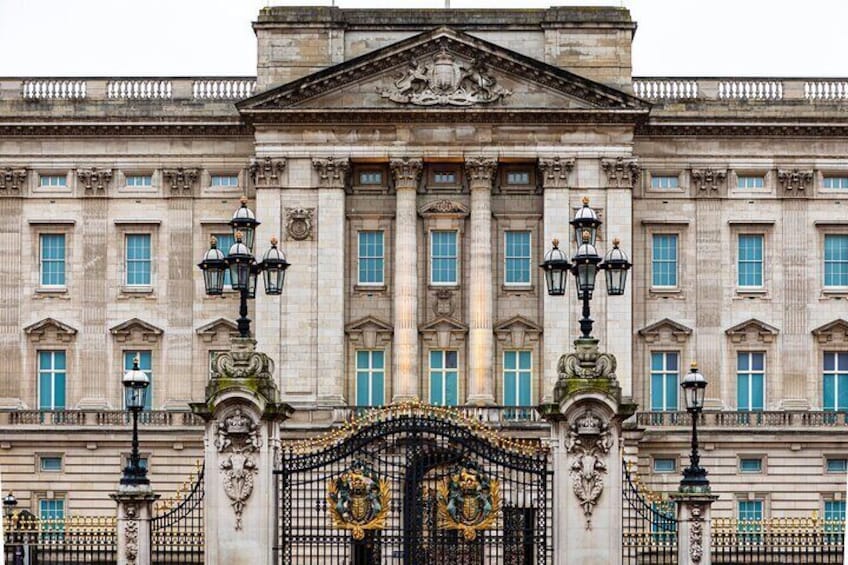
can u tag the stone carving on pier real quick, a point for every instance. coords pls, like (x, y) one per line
(267, 171)
(94, 179)
(238, 437)
(587, 362)
(708, 180)
(12, 179)
(588, 442)
(622, 172)
(299, 223)
(795, 180)
(181, 180)
(332, 172)
(445, 81)
(241, 363)
(131, 532)
(555, 171)
(696, 534)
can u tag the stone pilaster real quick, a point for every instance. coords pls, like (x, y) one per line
(480, 172)
(798, 239)
(92, 343)
(332, 176)
(135, 509)
(179, 336)
(694, 528)
(405, 383)
(11, 287)
(710, 284)
(555, 172)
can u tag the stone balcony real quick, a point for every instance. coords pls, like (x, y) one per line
(769, 420)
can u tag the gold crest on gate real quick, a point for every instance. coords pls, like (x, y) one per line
(358, 500)
(468, 501)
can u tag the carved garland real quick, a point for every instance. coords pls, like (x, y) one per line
(696, 535)
(266, 171)
(588, 442)
(238, 436)
(131, 532)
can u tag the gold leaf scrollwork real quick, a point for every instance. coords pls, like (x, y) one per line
(468, 501)
(358, 500)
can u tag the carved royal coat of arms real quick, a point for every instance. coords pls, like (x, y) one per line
(358, 500)
(468, 501)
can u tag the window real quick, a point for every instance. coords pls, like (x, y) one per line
(444, 177)
(145, 363)
(225, 181)
(663, 522)
(140, 181)
(371, 178)
(52, 259)
(138, 259)
(51, 380)
(517, 258)
(518, 177)
(517, 386)
(664, 181)
(750, 515)
(51, 508)
(225, 241)
(50, 463)
(370, 378)
(747, 181)
(751, 465)
(444, 376)
(664, 380)
(834, 510)
(835, 465)
(750, 381)
(443, 257)
(835, 378)
(665, 464)
(53, 180)
(835, 182)
(664, 261)
(836, 260)
(371, 258)
(750, 260)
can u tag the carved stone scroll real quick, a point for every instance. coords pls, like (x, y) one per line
(795, 180)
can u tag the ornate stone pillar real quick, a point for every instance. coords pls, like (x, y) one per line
(481, 340)
(556, 320)
(586, 420)
(241, 444)
(694, 527)
(405, 385)
(332, 176)
(135, 509)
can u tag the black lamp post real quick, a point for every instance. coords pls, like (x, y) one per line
(585, 264)
(9, 504)
(694, 386)
(135, 383)
(243, 266)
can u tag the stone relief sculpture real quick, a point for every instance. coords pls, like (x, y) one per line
(266, 171)
(795, 179)
(238, 437)
(621, 172)
(696, 535)
(708, 179)
(242, 364)
(131, 533)
(299, 223)
(94, 178)
(587, 363)
(588, 442)
(12, 178)
(445, 82)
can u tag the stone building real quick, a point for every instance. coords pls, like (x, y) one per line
(416, 165)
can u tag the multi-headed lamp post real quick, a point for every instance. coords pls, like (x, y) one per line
(585, 264)
(694, 386)
(135, 383)
(243, 266)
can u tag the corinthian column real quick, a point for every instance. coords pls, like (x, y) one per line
(405, 307)
(481, 342)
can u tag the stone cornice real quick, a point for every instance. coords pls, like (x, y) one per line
(34, 128)
(332, 172)
(808, 128)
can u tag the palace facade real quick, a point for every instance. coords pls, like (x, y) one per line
(416, 165)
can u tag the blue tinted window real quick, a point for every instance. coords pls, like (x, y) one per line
(138, 260)
(837, 465)
(140, 181)
(225, 241)
(443, 257)
(835, 380)
(836, 260)
(370, 378)
(750, 381)
(664, 260)
(664, 181)
(371, 258)
(664, 380)
(53, 180)
(517, 257)
(225, 180)
(750, 182)
(751, 465)
(517, 376)
(52, 259)
(49, 463)
(51, 509)
(750, 260)
(664, 465)
(835, 182)
(444, 376)
(51, 380)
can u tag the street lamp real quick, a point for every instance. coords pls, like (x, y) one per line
(694, 386)
(9, 504)
(585, 264)
(135, 383)
(242, 265)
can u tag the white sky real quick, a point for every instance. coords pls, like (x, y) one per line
(214, 37)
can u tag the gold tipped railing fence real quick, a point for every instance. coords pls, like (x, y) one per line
(777, 540)
(73, 539)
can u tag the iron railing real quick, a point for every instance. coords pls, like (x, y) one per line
(59, 541)
(648, 525)
(177, 532)
(777, 540)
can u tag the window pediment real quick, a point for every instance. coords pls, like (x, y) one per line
(50, 330)
(444, 208)
(832, 332)
(370, 332)
(216, 330)
(136, 330)
(517, 331)
(444, 332)
(752, 331)
(665, 331)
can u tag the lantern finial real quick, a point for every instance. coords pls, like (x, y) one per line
(585, 201)
(243, 200)
(693, 365)
(274, 241)
(213, 242)
(555, 243)
(615, 242)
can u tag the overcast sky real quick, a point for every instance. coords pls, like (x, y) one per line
(214, 37)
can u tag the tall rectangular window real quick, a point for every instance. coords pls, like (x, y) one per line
(664, 181)
(370, 378)
(140, 181)
(53, 181)
(52, 259)
(138, 259)
(750, 515)
(750, 260)
(835, 182)
(834, 520)
(225, 180)
(665, 379)
(836, 260)
(750, 381)
(443, 257)
(51, 380)
(748, 181)
(444, 378)
(371, 258)
(145, 363)
(664, 260)
(517, 258)
(224, 242)
(517, 376)
(835, 380)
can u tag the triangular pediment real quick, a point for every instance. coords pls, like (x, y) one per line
(442, 324)
(221, 326)
(517, 322)
(752, 329)
(50, 328)
(368, 323)
(517, 331)
(136, 329)
(369, 332)
(666, 330)
(832, 332)
(441, 70)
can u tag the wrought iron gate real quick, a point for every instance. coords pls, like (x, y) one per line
(413, 484)
(648, 525)
(176, 535)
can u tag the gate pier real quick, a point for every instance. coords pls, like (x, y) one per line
(241, 443)
(586, 418)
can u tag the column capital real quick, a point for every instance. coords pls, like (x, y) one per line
(622, 172)
(481, 171)
(332, 172)
(406, 171)
(266, 171)
(555, 171)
